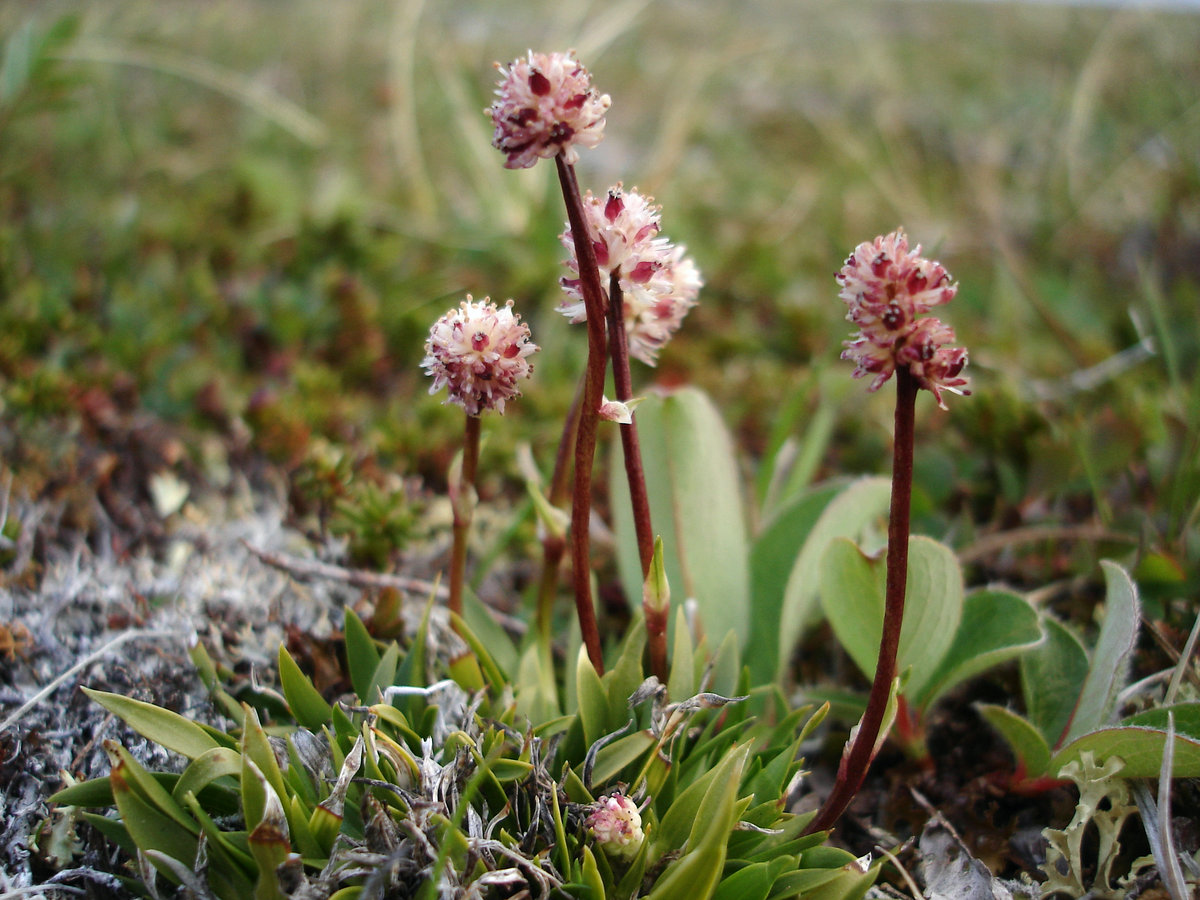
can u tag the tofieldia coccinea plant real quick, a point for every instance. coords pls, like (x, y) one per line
(496, 770)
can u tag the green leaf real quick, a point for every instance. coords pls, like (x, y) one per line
(996, 626)
(590, 695)
(362, 657)
(681, 682)
(159, 725)
(847, 515)
(1140, 748)
(1052, 676)
(1187, 718)
(205, 769)
(1109, 671)
(149, 827)
(304, 700)
(1027, 743)
(772, 556)
(491, 634)
(852, 589)
(751, 882)
(696, 506)
(695, 875)
(614, 757)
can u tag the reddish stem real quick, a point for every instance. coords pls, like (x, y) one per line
(618, 349)
(853, 769)
(463, 502)
(635, 475)
(593, 392)
(554, 545)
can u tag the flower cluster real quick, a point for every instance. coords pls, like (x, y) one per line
(616, 825)
(545, 106)
(658, 283)
(478, 352)
(887, 286)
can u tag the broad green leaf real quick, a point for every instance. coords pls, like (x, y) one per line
(590, 874)
(159, 725)
(1109, 670)
(1052, 676)
(852, 589)
(1187, 719)
(1027, 743)
(696, 506)
(304, 700)
(847, 515)
(1140, 748)
(996, 626)
(362, 657)
(483, 657)
(772, 556)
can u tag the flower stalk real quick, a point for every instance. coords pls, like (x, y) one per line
(593, 393)
(888, 289)
(853, 769)
(463, 507)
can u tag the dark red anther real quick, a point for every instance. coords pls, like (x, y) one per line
(539, 84)
(614, 206)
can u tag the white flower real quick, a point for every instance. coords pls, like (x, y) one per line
(479, 353)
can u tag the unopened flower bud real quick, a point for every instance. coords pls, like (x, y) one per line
(616, 825)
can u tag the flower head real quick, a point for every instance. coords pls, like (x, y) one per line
(616, 825)
(545, 106)
(887, 287)
(658, 283)
(478, 352)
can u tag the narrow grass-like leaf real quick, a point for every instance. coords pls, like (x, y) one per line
(205, 769)
(1109, 670)
(592, 699)
(697, 873)
(362, 657)
(156, 724)
(304, 700)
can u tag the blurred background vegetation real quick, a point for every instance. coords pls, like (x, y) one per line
(234, 222)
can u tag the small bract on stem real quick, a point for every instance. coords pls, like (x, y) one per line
(887, 286)
(479, 353)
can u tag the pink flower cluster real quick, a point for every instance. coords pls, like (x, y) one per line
(478, 352)
(658, 283)
(545, 106)
(887, 287)
(616, 824)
